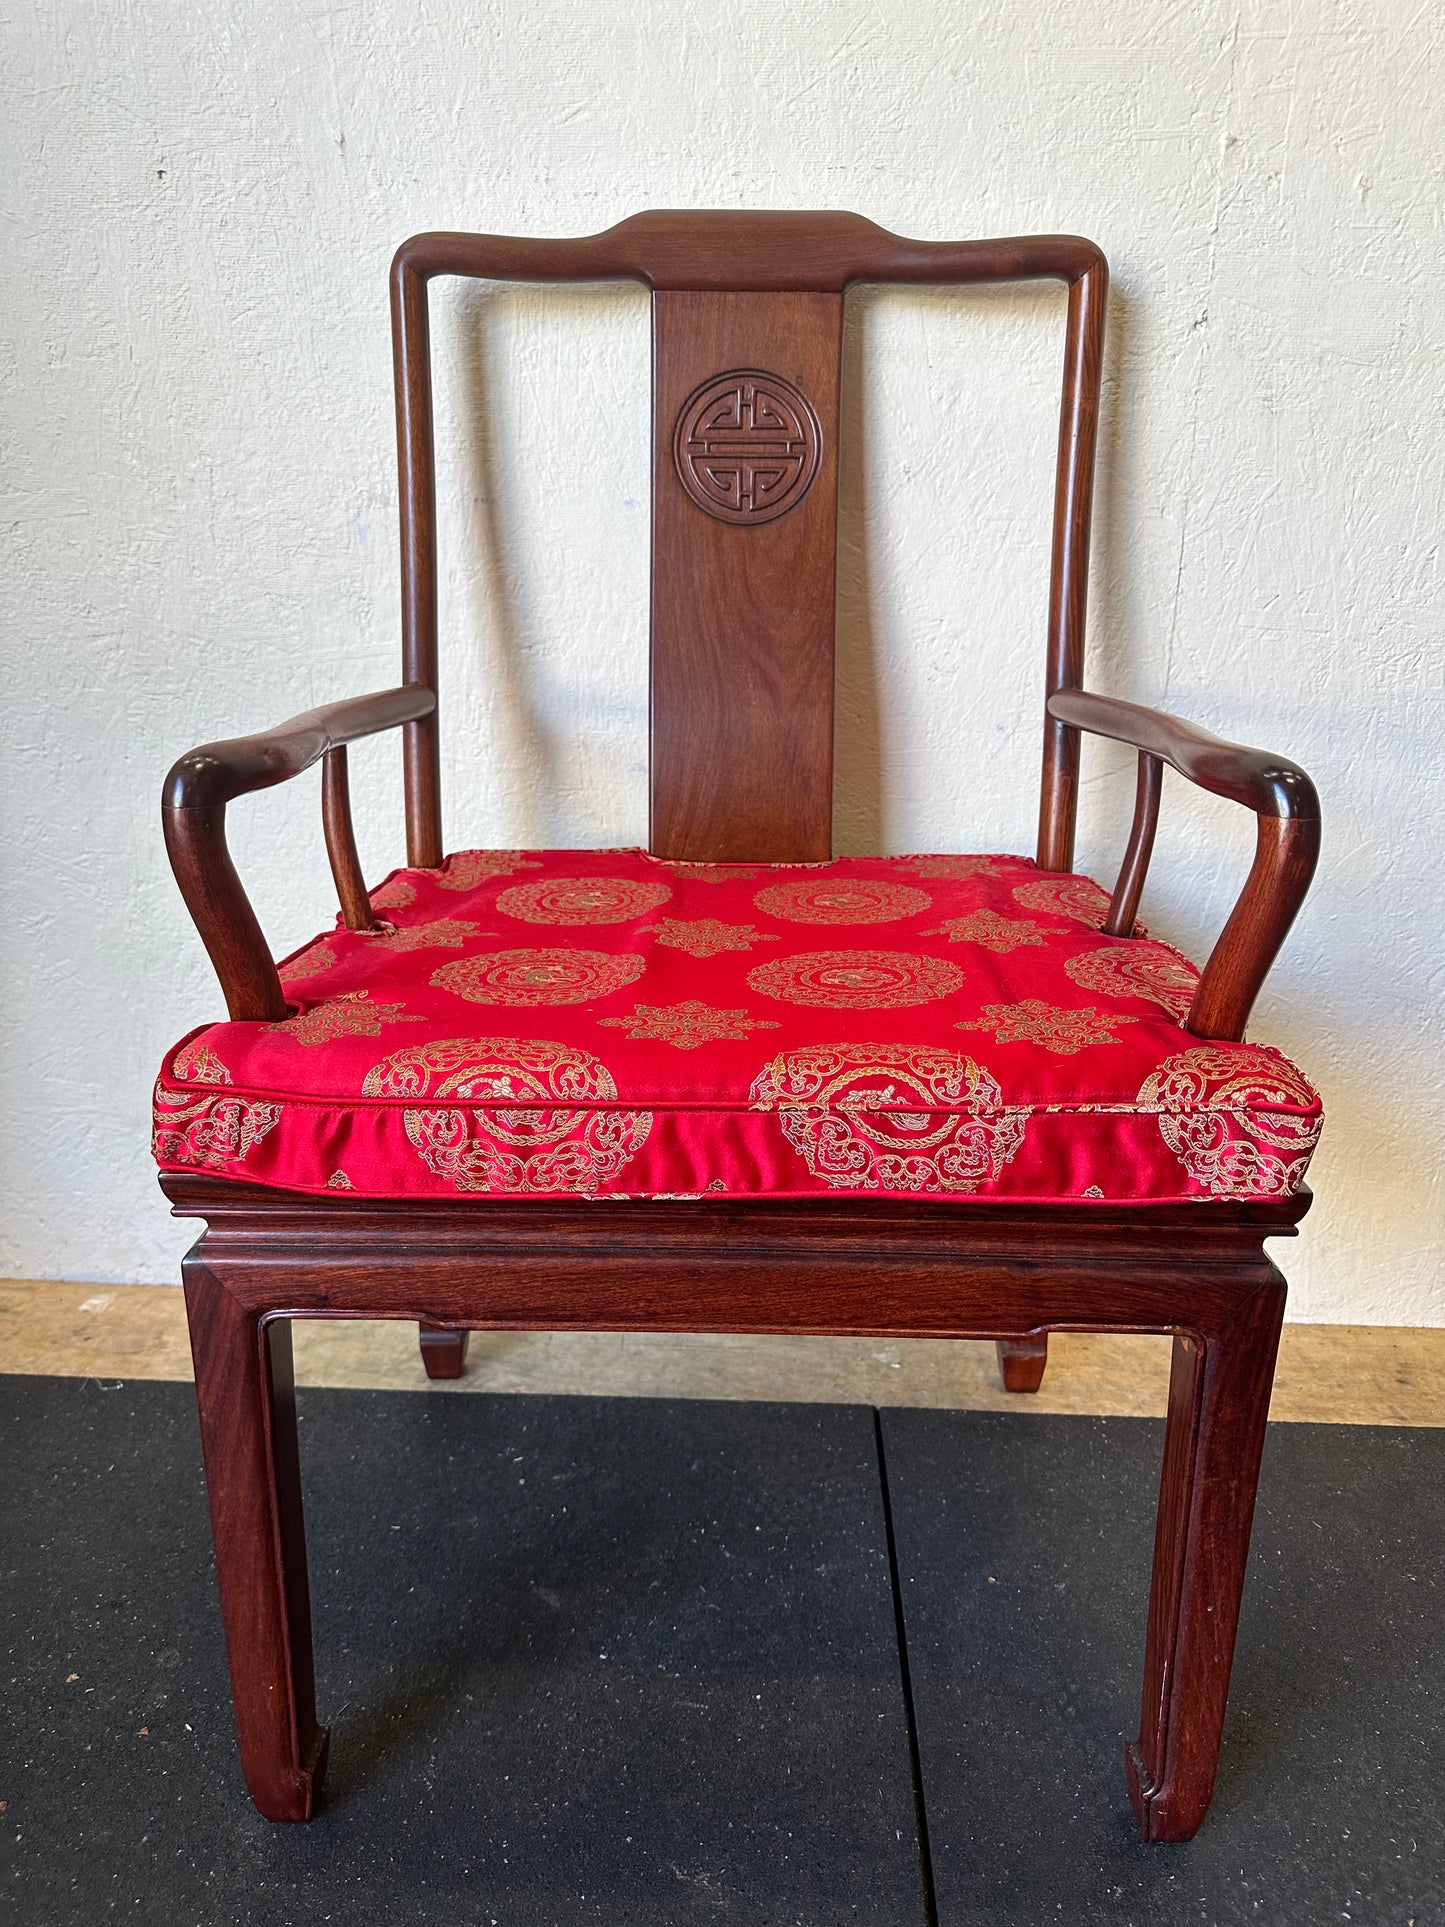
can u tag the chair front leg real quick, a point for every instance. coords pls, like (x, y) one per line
(246, 1396)
(1219, 1390)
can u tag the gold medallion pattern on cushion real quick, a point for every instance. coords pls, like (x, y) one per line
(538, 976)
(530, 1134)
(312, 961)
(492, 1070)
(446, 933)
(990, 931)
(582, 899)
(856, 979)
(711, 872)
(906, 1027)
(1034, 1022)
(951, 867)
(468, 868)
(1137, 969)
(353, 1015)
(1075, 897)
(208, 1130)
(891, 1117)
(707, 936)
(393, 895)
(687, 1024)
(841, 900)
(197, 1063)
(1219, 1114)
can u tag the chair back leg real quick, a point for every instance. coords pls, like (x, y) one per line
(1021, 1362)
(443, 1351)
(246, 1396)
(1219, 1391)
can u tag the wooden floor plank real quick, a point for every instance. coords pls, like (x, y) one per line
(1328, 1374)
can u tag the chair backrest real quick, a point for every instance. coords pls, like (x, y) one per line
(747, 320)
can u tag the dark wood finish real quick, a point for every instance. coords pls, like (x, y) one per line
(222, 913)
(1124, 905)
(1221, 1228)
(1069, 580)
(742, 617)
(193, 815)
(416, 460)
(729, 255)
(1287, 844)
(741, 728)
(744, 251)
(246, 1398)
(1219, 1390)
(1285, 855)
(1021, 1362)
(443, 1351)
(1267, 784)
(356, 908)
(886, 1268)
(217, 773)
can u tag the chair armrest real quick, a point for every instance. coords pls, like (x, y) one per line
(1268, 785)
(193, 814)
(1286, 850)
(217, 772)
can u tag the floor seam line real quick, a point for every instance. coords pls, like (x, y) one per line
(915, 1759)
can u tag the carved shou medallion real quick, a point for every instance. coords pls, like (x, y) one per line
(747, 446)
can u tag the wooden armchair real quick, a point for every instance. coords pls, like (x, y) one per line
(945, 1096)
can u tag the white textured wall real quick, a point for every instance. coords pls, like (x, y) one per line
(200, 202)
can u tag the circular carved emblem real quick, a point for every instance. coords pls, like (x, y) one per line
(538, 976)
(747, 446)
(856, 979)
(581, 900)
(841, 900)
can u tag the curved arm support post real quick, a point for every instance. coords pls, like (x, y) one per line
(193, 814)
(1286, 849)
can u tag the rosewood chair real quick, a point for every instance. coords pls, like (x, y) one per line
(731, 1084)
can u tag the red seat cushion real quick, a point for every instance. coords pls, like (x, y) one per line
(604, 1022)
